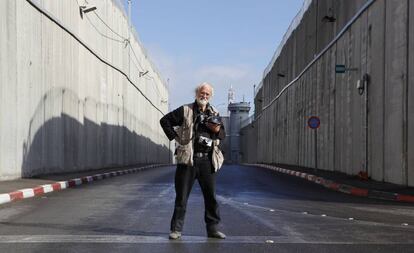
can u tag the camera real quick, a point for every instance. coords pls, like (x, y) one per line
(204, 141)
(214, 120)
(204, 119)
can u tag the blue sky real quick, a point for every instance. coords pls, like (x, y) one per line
(227, 42)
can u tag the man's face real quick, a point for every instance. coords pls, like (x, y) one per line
(203, 95)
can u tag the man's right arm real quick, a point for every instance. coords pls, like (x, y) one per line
(171, 120)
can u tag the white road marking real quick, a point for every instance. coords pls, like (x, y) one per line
(259, 219)
(236, 203)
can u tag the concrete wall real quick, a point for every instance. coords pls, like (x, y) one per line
(371, 132)
(61, 107)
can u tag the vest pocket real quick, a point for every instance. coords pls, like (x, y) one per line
(183, 155)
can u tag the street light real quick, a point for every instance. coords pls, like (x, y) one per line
(141, 74)
(85, 9)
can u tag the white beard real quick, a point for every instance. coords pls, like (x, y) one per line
(202, 102)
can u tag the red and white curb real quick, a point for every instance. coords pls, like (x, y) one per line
(57, 186)
(356, 191)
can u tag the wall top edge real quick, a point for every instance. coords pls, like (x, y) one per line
(293, 25)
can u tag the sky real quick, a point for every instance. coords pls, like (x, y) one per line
(223, 42)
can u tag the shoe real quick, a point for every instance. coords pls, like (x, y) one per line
(174, 235)
(216, 234)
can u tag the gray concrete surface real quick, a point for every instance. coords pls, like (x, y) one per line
(370, 132)
(62, 109)
(262, 211)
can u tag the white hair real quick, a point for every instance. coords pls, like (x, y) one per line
(203, 85)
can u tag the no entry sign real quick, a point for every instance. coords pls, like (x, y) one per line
(314, 122)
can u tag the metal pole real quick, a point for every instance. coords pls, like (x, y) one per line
(366, 124)
(316, 148)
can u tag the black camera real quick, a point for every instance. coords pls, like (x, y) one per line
(203, 119)
(204, 141)
(214, 120)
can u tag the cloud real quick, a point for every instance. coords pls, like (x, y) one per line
(222, 72)
(184, 73)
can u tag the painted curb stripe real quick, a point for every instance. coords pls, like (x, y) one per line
(342, 187)
(319, 180)
(359, 192)
(38, 191)
(334, 186)
(16, 195)
(405, 198)
(43, 189)
(64, 185)
(71, 183)
(27, 193)
(47, 188)
(4, 198)
(78, 181)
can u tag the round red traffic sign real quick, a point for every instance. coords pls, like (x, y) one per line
(314, 122)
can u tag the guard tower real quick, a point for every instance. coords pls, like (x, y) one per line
(239, 113)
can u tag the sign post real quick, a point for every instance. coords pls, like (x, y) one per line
(314, 123)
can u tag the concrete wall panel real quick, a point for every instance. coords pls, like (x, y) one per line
(62, 109)
(364, 124)
(371, 131)
(410, 96)
(356, 101)
(325, 22)
(310, 22)
(376, 54)
(331, 80)
(8, 89)
(300, 36)
(395, 90)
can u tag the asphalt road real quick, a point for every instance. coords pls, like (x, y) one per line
(262, 211)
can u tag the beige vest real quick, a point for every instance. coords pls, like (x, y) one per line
(185, 141)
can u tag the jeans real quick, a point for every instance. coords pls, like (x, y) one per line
(184, 180)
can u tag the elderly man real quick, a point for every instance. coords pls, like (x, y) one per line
(197, 129)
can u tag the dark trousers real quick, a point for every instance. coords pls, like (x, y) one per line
(184, 180)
